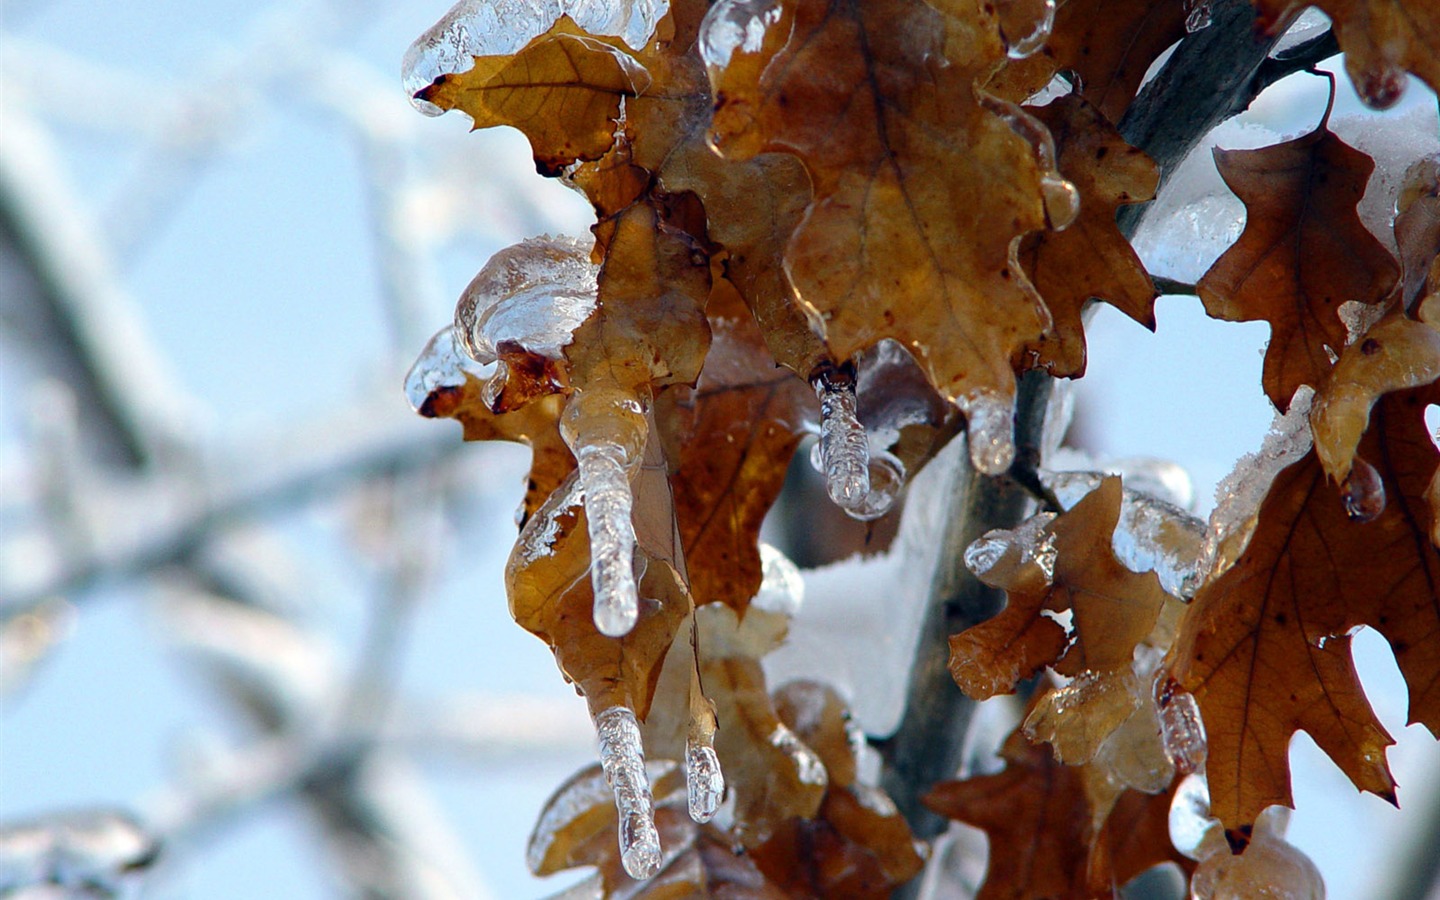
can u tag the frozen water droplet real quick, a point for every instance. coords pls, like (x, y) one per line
(1270, 868)
(1023, 45)
(990, 429)
(440, 365)
(704, 782)
(1197, 15)
(1062, 200)
(782, 589)
(1381, 86)
(606, 430)
(532, 295)
(732, 25)
(502, 27)
(887, 479)
(844, 449)
(1181, 729)
(1363, 492)
(622, 758)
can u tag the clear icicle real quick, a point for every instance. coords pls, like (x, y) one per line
(704, 782)
(887, 480)
(606, 430)
(1197, 15)
(1363, 492)
(990, 429)
(1181, 729)
(844, 450)
(622, 758)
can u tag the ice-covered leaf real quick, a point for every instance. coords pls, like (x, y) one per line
(920, 189)
(1047, 836)
(728, 442)
(1417, 231)
(1396, 353)
(858, 845)
(1109, 44)
(1381, 40)
(1090, 258)
(1265, 648)
(1114, 608)
(1303, 253)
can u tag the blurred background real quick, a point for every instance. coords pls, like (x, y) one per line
(251, 604)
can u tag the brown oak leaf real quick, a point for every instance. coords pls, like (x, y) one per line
(1108, 44)
(1381, 40)
(1265, 648)
(920, 191)
(1044, 842)
(1304, 251)
(1090, 258)
(1114, 608)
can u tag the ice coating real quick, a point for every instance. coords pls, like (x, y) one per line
(440, 365)
(1192, 831)
(844, 449)
(1363, 492)
(1238, 496)
(1270, 868)
(1182, 731)
(887, 480)
(731, 25)
(1151, 534)
(622, 758)
(1060, 196)
(533, 295)
(606, 430)
(1022, 45)
(990, 430)
(502, 27)
(577, 796)
(1029, 541)
(704, 782)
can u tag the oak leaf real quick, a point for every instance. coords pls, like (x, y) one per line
(1381, 40)
(1045, 841)
(1303, 253)
(1108, 44)
(908, 235)
(1090, 258)
(1114, 608)
(1265, 648)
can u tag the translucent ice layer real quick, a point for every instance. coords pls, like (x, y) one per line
(502, 27)
(531, 296)
(844, 450)
(440, 365)
(732, 25)
(990, 430)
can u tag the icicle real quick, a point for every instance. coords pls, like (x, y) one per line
(1061, 197)
(887, 480)
(605, 428)
(622, 757)
(1181, 729)
(990, 429)
(1363, 493)
(1022, 45)
(704, 782)
(532, 295)
(844, 451)
(1197, 15)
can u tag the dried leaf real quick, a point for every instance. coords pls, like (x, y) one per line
(729, 442)
(1265, 648)
(908, 236)
(1091, 258)
(1114, 608)
(1109, 44)
(1044, 836)
(1304, 251)
(1381, 40)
